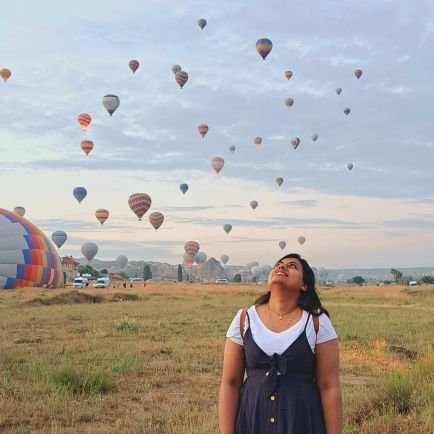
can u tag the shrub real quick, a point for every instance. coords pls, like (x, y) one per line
(127, 325)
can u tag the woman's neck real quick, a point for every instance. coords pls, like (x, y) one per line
(282, 303)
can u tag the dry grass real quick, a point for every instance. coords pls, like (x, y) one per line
(153, 365)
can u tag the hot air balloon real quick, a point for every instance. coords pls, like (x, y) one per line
(122, 261)
(289, 102)
(282, 244)
(301, 240)
(86, 146)
(350, 166)
(202, 23)
(266, 269)
(347, 111)
(279, 181)
(203, 129)
(79, 193)
(27, 257)
(295, 142)
(5, 74)
(200, 258)
(232, 149)
(263, 47)
(288, 75)
(89, 250)
(191, 248)
(139, 204)
(181, 78)
(254, 204)
(224, 258)
(183, 188)
(358, 73)
(156, 219)
(102, 215)
(256, 271)
(21, 211)
(188, 260)
(227, 228)
(314, 137)
(338, 90)
(257, 141)
(59, 238)
(217, 164)
(111, 103)
(176, 68)
(84, 120)
(134, 65)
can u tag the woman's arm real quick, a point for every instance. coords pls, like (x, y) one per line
(232, 379)
(327, 375)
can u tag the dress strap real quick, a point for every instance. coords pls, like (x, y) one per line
(308, 317)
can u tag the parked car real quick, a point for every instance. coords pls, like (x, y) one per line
(137, 279)
(221, 281)
(80, 282)
(102, 282)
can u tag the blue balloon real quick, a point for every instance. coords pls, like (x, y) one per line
(183, 188)
(79, 193)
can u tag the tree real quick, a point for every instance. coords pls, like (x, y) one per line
(427, 279)
(104, 271)
(237, 278)
(397, 275)
(359, 280)
(179, 273)
(147, 274)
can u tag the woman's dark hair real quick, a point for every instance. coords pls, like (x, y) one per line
(308, 300)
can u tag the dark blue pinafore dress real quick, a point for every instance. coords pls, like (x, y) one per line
(280, 395)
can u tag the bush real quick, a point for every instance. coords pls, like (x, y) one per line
(127, 325)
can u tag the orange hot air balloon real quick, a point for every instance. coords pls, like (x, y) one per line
(86, 146)
(156, 219)
(181, 78)
(102, 215)
(84, 120)
(139, 204)
(134, 65)
(257, 141)
(203, 129)
(5, 74)
(217, 164)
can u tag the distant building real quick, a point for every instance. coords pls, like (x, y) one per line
(70, 267)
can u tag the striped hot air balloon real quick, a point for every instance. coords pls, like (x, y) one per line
(21, 211)
(191, 248)
(27, 257)
(181, 78)
(5, 74)
(156, 219)
(102, 215)
(139, 204)
(217, 164)
(203, 129)
(134, 65)
(263, 47)
(86, 146)
(257, 141)
(279, 181)
(84, 120)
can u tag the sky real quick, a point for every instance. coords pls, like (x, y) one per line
(65, 57)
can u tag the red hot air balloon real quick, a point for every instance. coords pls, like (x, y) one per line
(134, 65)
(191, 248)
(358, 73)
(86, 146)
(84, 120)
(203, 129)
(181, 78)
(139, 204)
(102, 215)
(5, 74)
(156, 219)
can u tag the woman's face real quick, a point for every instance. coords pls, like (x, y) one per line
(287, 272)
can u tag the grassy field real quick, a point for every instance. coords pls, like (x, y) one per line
(148, 360)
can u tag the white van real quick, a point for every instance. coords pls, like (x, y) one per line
(137, 279)
(221, 281)
(80, 282)
(102, 282)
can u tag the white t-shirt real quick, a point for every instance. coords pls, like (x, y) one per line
(271, 342)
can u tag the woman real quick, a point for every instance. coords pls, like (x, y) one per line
(288, 348)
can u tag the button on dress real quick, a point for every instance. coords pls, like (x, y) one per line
(280, 394)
